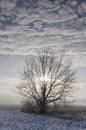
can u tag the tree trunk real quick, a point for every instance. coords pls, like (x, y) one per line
(42, 107)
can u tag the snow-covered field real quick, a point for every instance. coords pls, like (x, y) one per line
(16, 120)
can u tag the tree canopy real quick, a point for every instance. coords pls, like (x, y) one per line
(47, 78)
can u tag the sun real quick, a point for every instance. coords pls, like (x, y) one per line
(45, 78)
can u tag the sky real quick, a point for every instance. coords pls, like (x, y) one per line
(27, 25)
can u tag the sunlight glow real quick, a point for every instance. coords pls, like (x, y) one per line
(45, 78)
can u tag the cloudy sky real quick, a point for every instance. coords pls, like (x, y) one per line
(26, 25)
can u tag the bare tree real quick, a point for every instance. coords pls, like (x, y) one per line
(47, 78)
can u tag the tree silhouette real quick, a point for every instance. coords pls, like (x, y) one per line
(47, 78)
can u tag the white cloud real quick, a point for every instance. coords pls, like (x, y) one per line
(73, 3)
(48, 4)
(7, 4)
(20, 39)
(8, 80)
(49, 24)
(84, 6)
(79, 60)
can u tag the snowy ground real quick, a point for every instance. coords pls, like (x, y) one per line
(16, 120)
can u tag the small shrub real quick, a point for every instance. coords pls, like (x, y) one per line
(29, 107)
